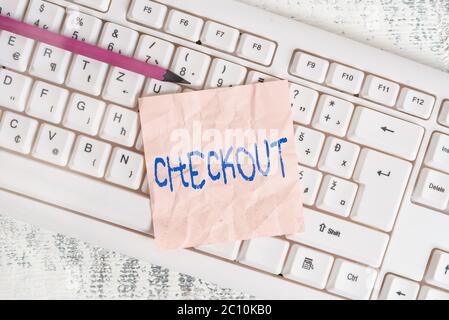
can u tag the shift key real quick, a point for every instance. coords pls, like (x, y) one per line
(343, 238)
(385, 133)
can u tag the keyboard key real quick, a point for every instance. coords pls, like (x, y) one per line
(191, 65)
(125, 168)
(386, 133)
(336, 195)
(45, 15)
(81, 26)
(224, 74)
(53, 145)
(310, 181)
(437, 155)
(148, 13)
(309, 67)
(416, 103)
(308, 266)
(13, 9)
(154, 87)
(302, 102)
(123, 87)
(256, 49)
(50, 63)
(267, 254)
(47, 102)
(139, 142)
(444, 114)
(308, 145)
(428, 293)
(227, 250)
(17, 132)
(432, 189)
(256, 76)
(84, 114)
(120, 125)
(380, 90)
(90, 156)
(101, 5)
(438, 272)
(118, 39)
(345, 78)
(397, 288)
(219, 36)
(339, 157)
(154, 51)
(145, 188)
(351, 280)
(184, 25)
(16, 51)
(14, 90)
(382, 180)
(65, 189)
(333, 115)
(87, 75)
(342, 238)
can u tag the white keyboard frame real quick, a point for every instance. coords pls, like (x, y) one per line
(417, 230)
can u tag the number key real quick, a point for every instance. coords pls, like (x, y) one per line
(118, 39)
(13, 9)
(80, 26)
(154, 51)
(45, 15)
(191, 65)
(224, 73)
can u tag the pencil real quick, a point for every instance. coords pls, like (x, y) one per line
(89, 50)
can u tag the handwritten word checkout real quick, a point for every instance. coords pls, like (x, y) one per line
(229, 161)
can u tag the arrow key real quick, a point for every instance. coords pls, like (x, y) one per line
(438, 272)
(397, 288)
(385, 133)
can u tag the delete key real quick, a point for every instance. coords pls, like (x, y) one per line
(221, 165)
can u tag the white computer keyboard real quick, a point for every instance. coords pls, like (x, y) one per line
(372, 133)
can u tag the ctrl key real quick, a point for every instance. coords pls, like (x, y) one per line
(351, 280)
(432, 189)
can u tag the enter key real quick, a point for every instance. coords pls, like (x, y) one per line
(382, 181)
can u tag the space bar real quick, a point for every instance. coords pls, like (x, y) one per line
(74, 192)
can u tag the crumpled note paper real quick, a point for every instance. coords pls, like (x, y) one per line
(221, 165)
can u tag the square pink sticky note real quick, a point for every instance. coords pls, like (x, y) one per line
(221, 165)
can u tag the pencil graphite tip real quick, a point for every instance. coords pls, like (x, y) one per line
(173, 77)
